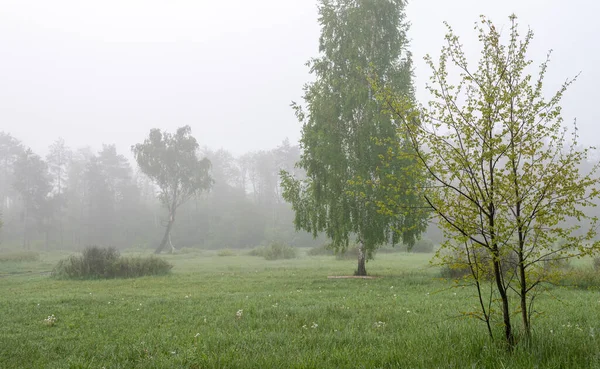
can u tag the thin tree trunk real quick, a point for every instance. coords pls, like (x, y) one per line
(362, 269)
(165, 239)
(523, 293)
(505, 305)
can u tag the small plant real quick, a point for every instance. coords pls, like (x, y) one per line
(50, 320)
(239, 314)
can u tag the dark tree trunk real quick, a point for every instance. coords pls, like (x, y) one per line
(362, 268)
(508, 335)
(165, 239)
(523, 293)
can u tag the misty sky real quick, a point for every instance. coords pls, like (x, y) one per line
(108, 71)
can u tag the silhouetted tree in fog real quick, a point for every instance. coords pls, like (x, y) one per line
(171, 161)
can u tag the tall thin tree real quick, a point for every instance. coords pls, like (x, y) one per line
(345, 130)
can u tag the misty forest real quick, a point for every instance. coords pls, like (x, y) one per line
(433, 204)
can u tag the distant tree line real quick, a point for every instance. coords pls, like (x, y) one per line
(73, 198)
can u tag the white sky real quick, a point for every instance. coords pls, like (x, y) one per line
(108, 71)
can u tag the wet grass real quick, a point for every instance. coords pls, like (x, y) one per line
(246, 312)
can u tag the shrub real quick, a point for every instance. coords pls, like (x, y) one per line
(584, 278)
(226, 252)
(350, 253)
(596, 264)
(96, 262)
(138, 266)
(19, 256)
(556, 265)
(275, 251)
(423, 245)
(320, 250)
(189, 250)
(457, 266)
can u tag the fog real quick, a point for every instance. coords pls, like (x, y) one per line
(108, 72)
(102, 74)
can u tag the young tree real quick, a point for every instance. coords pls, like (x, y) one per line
(345, 130)
(507, 177)
(171, 161)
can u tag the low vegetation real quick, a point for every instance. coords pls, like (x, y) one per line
(226, 252)
(275, 251)
(19, 256)
(245, 312)
(99, 263)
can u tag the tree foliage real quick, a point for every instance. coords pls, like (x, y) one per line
(345, 132)
(32, 182)
(506, 172)
(171, 161)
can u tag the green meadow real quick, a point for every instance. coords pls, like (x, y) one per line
(240, 311)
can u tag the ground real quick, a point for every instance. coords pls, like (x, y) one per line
(245, 312)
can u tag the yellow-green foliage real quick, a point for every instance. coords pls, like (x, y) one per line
(505, 176)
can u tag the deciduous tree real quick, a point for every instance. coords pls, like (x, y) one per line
(345, 131)
(506, 171)
(171, 161)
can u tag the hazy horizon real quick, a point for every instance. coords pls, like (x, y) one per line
(108, 72)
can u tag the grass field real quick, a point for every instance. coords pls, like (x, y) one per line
(245, 312)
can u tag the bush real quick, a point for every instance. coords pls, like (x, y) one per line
(423, 245)
(19, 256)
(457, 266)
(275, 251)
(226, 252)
(138, 266)
(320, 250)
(596, 264)
(584, 278)
(556, 265)
(96, 262)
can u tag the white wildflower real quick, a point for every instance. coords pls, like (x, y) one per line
(50, 320)
(379, 324)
